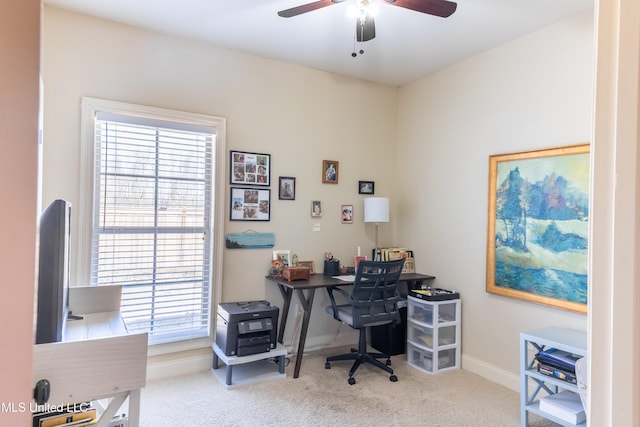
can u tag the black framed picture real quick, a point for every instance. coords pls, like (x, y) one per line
(250, 168)
(250, 204)
(366, 187)
(286, 188)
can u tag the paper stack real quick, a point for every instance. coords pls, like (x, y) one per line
(564, 405)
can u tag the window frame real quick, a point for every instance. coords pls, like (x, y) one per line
(83, 213)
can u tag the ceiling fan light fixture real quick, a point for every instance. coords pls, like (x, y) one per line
(362, 8)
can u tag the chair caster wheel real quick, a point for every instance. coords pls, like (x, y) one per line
(327, 365)
(352, 381)
(393, 378)
(388, 362)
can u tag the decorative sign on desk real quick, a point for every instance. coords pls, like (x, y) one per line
(250, 240)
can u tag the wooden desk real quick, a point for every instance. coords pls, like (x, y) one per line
(305, 290)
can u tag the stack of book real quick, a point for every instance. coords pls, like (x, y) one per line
(67, 415)
(72, 415)
(558, 363)
(393, 253)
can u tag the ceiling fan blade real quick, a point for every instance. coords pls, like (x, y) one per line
(309, 7)
(365, 31)
(441, 8)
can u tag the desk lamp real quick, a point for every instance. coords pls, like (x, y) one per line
(376, 209)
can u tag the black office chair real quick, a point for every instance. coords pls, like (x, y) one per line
(372, 302)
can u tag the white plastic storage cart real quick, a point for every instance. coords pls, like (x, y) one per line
(433, 334)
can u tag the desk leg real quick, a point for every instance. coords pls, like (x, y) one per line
(134, 408)
(307, 303)
(286, 295)
(215, 360)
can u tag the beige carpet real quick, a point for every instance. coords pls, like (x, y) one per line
(321, 397)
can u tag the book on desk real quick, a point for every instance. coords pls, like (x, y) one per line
(394, 253)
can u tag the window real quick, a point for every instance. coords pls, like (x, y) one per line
(153, 215)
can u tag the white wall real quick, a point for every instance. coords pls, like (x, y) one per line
(298, 115)
(535, 92)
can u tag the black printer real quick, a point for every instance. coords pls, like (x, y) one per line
(247, 327)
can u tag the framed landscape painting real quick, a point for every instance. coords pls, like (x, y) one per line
(538, 222)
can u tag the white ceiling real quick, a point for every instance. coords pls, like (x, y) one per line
(408, 44)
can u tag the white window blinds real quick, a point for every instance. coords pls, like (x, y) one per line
(152, 221)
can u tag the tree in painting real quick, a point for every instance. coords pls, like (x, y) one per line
(541, 235)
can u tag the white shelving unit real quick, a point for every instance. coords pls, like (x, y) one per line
(433, 334)
(532, 342)
(261, 371)
(97, 359)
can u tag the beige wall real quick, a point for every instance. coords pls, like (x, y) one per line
(535, 92)
(19, 107)
(300, 116)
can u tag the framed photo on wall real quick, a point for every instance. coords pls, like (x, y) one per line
(250, 168)
(316, 208)
(286, 188)
(366, 187)
(250, 204)
(346, 214)
(538, 230)
(330, 171)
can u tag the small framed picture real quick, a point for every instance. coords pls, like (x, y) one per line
(250, 204)
(346, 214)
(309, 264)
(316, 208)
(250, 168)
(366, 187)
(283, 256)
(329, 172)
(357, 259)
(286, 188)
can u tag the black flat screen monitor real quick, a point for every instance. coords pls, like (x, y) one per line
(53, 272)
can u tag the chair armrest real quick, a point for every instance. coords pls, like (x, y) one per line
(333, 300)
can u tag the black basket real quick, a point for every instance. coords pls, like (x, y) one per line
(434, 294)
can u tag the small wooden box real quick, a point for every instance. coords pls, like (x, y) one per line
(296, 273)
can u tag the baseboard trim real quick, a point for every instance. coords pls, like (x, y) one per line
(157, 370)
(491, 373)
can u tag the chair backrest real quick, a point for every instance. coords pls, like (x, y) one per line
(375, 296)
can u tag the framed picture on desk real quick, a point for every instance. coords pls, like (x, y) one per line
(309, 264)
(283, 256)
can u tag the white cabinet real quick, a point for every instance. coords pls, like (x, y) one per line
(433, 334)
(532, 382)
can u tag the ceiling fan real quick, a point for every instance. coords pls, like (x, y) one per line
(365, 25)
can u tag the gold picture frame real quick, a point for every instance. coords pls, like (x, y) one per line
(537, 232)
(309, 264)
(330, 169)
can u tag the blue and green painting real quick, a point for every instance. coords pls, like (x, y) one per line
(541, 226)
(249, 240)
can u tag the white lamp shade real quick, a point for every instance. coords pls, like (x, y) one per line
(376, 209)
